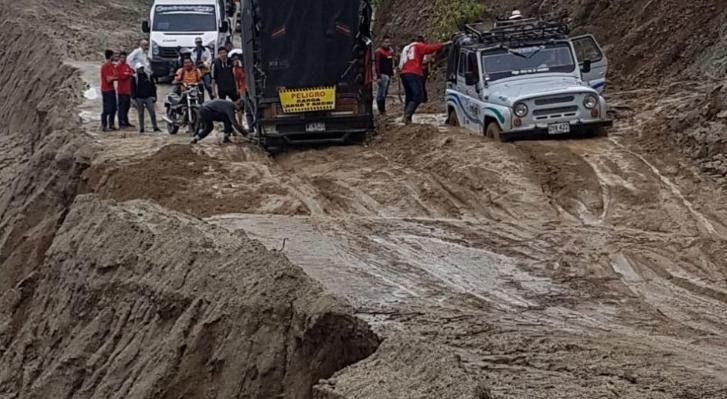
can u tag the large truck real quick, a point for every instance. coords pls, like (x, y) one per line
(175, 24)
(308, 66)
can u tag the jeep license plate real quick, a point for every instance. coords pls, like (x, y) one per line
(315, 127)
(559, 128)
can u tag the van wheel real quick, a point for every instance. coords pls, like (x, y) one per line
(452, 119)
(493, 131)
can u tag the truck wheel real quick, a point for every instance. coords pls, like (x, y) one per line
(452, 118)
(493, 131)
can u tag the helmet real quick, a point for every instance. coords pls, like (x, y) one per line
(516, 14)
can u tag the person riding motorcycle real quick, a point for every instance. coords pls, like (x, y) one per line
(186, 77)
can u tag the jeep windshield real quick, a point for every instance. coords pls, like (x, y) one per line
(184, 18)
(504, 63)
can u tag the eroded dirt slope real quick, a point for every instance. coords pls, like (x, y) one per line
(134, 301)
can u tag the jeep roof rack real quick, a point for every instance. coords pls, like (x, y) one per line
(520, 31)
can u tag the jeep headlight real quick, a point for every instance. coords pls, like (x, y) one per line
(590, 101)
(154, 49)
(520, 110)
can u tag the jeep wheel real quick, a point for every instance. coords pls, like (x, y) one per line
(493, 131)
(452, 119)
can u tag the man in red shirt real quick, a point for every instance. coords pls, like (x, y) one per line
(123, 88)
(108, 92)
(384, 72)
(412, 73)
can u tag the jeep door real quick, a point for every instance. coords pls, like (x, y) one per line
(588, 51)
(468, 80)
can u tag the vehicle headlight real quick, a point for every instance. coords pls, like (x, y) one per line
(590, 101)
(520, 110)
(154, 49)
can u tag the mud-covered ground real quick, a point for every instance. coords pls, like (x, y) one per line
(577, 268)
(572, 268)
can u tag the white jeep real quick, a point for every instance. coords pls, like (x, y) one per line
(526, 79)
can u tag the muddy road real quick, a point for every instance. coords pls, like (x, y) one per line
(570, 268)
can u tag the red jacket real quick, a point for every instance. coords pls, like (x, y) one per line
(413, 57)
(108, 77)
(125, 73)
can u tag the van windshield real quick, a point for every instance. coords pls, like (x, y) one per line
(505, 63)
(185, 18)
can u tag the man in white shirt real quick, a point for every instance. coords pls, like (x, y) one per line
(202, 59)
(140, 56)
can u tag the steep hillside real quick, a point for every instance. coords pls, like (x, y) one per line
(647, 41)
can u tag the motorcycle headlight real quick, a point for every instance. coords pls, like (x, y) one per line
(590, 101)
(521, 110)
(154, 49)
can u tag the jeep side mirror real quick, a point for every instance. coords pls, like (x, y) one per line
(586, 67)
(225, 26)
(470, 78)
(145, 27)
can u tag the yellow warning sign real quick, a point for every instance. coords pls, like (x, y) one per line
(308, 100)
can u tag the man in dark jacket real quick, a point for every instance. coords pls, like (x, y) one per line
(218, 111)
(384, 72)
(144, 94)
(223, 77)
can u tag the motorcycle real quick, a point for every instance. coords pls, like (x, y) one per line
(182, 110)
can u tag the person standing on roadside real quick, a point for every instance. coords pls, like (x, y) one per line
(140, 55)
(108, 91)
(218, 111)
(123, 89)
(384, 57)
(412, 73)
(144, 95)
(202, 58)
(223, 77)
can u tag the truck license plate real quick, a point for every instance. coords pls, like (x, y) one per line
(315, 127)
(559, 128)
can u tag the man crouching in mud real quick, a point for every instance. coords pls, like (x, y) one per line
(218, 111)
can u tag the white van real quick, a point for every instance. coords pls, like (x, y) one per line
(174, 24)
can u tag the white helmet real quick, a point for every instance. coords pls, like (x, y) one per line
(516, 14)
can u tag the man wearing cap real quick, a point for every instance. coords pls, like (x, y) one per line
(516, 14)
(202, 58)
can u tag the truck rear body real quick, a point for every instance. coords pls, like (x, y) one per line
(308, 69)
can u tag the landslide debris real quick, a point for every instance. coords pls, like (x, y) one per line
(135, 301)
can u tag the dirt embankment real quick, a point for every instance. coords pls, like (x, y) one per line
(134, 301)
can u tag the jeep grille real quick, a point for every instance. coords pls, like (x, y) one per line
(554, 100)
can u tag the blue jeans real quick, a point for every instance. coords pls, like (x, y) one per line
(383, 91)
(414, 89)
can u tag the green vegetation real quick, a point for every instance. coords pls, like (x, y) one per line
(450, 13)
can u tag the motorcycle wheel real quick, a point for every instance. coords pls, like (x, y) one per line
(172, 128)
(194, 123)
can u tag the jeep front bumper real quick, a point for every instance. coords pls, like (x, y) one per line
(576, 129)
